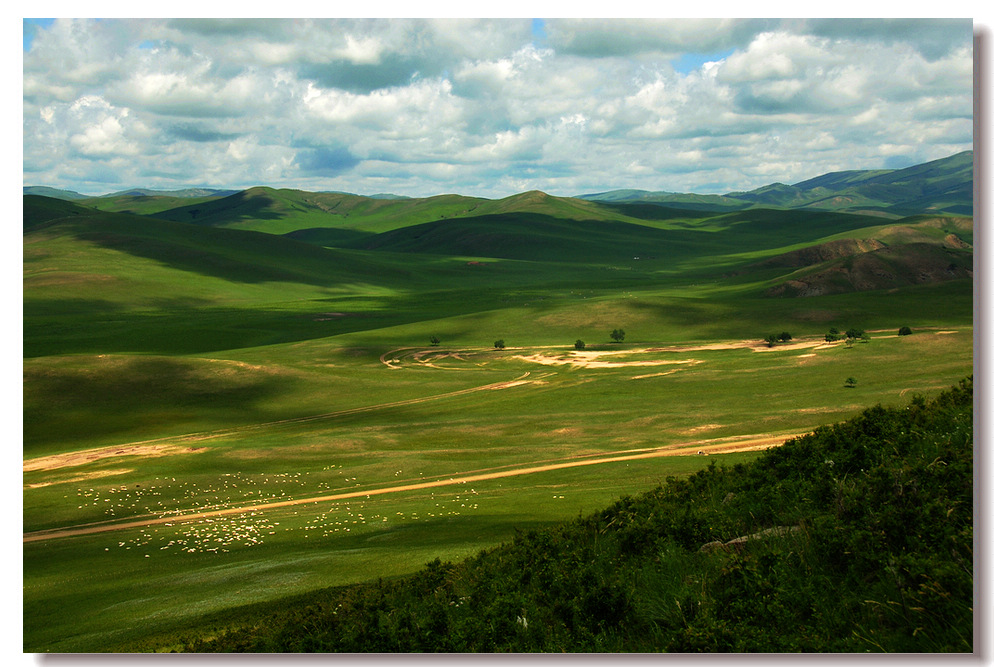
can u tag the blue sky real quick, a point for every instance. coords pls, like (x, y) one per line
(487, 107)
(31, 26)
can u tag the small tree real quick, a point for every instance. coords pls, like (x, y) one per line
(771, 340)
(435, 341)
(904, 331)
(618, 335)
(579, 344)
(850, 382)
(784, 337)
(499, 344)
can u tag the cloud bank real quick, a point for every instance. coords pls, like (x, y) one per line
(488, 107)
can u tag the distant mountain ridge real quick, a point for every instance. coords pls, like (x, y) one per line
(185, 192)
(939, 186)
(56, 193)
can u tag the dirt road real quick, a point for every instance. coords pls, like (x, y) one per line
(695, 448)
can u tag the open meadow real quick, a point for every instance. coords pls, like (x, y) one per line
(217, 418)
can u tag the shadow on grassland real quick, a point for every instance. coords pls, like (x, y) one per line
(107, 395)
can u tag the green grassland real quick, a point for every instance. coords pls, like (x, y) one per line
(249, 359)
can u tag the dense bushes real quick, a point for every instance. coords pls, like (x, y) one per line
(874, 554)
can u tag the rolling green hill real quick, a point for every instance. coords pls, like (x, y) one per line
(188, 287)
(146, 204)
(40, 210)
(283, 211)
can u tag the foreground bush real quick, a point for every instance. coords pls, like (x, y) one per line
(857, 537)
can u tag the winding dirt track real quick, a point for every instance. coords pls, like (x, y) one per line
(685, 449)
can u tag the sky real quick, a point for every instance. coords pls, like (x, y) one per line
(487, 108)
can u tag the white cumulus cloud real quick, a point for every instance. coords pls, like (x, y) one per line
(488, 107)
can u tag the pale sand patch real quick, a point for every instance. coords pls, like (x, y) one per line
(70, 459)
(82, 478)
(940, 333)
(590, 360)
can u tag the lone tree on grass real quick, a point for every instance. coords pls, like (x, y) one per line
(618, 335)
(850, 382)
(771, 340)
(579, 344)
(435, 341)
(499, 344)
(904, 331)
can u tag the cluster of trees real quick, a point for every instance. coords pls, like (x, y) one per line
(618, 335)
(833, 335)
(782, 337)
(850, 335)
(859, 539)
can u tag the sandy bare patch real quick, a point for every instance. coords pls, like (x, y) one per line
(72, 459)
(940, 333)
(593, 360)
(81, 478)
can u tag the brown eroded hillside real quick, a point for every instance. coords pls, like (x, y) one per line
(881, 268)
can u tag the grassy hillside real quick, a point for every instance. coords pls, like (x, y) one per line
(39, 210)
(146, 204)
(283, 211)
(218, 416)
(187, 288)
(856, 538)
